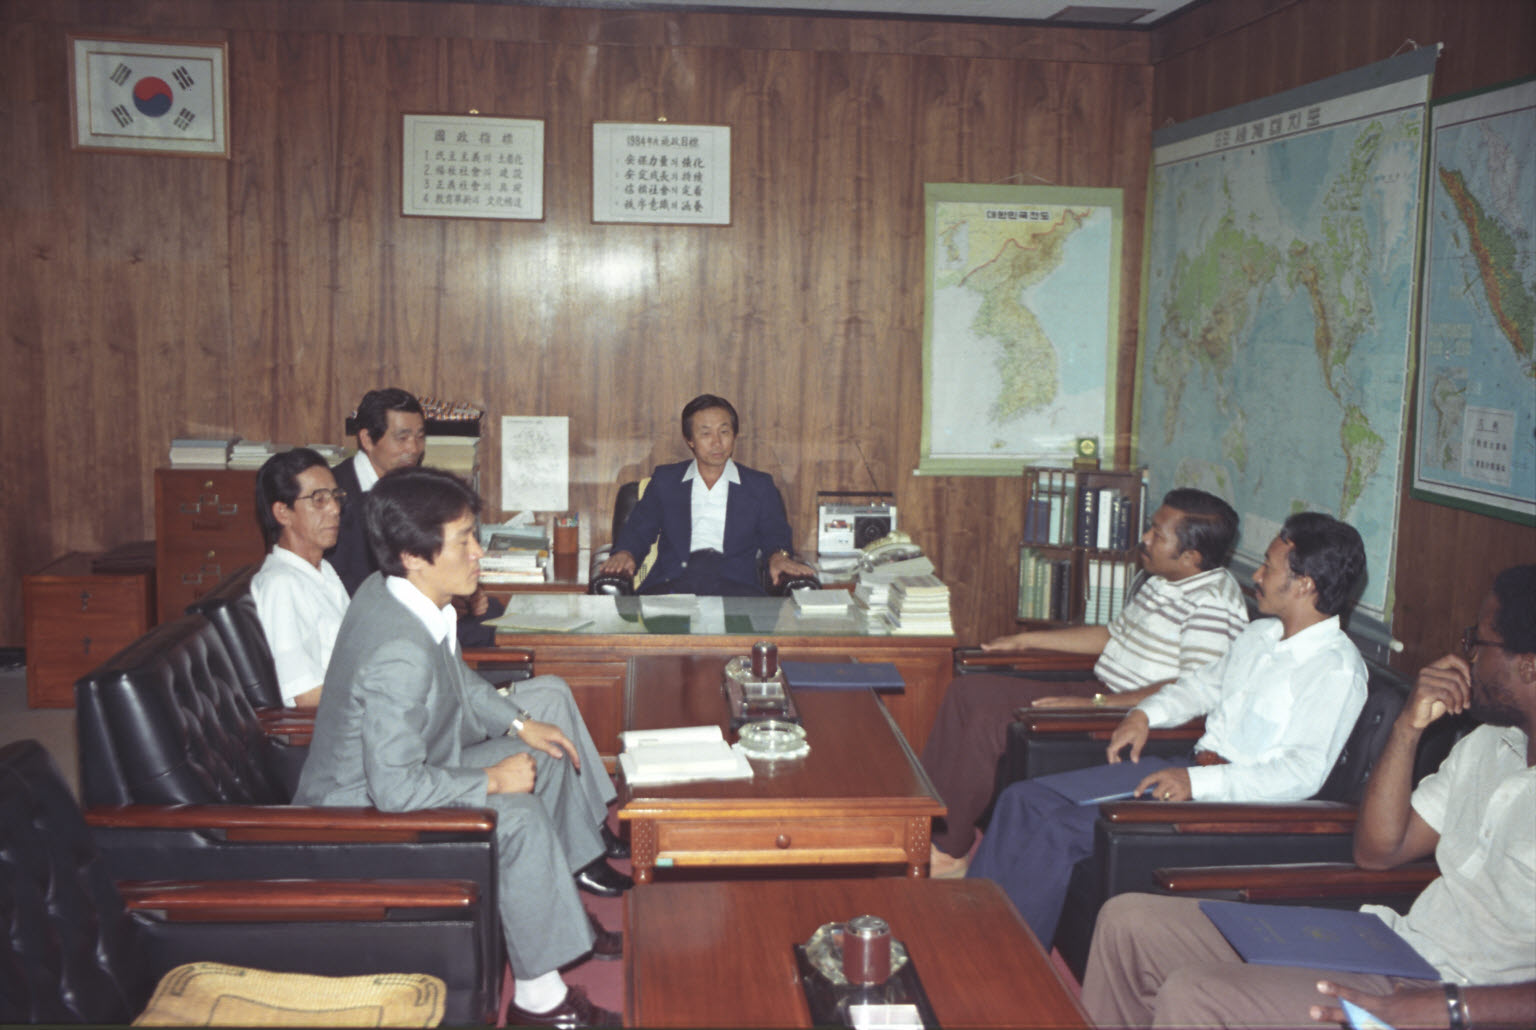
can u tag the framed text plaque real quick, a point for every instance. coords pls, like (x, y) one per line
(149, 96)
(469, 166)
(661, 173)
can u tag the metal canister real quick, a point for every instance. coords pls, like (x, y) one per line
(867, 950)
(765, 659)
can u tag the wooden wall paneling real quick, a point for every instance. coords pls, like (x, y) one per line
(36, 274)
(387, 281)
(283, 235)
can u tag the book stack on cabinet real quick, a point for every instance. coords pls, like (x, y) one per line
(1078, 553)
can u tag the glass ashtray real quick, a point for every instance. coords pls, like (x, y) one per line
(773, 738)
(825, 951)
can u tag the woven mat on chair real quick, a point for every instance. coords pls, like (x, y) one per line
(210, 994)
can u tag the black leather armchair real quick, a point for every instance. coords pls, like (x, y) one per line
(181, 779)
(620, 586)
(87, 948)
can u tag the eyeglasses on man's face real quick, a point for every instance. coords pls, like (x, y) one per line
(1470, 642)
(320, 498)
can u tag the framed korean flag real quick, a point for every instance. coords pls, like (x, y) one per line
(148, 96)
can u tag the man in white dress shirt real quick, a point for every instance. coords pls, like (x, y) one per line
(299, 598)
(1278, 706)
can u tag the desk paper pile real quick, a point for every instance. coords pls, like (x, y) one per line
(920, 606)
(686, 754)
(812, 603)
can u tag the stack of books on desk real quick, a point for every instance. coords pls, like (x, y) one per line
(920, 606)
(513, 565)
(193, 453)
(821, 602)
(682, 755)
(253, 454)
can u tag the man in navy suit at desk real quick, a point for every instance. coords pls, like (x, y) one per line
(713, 518)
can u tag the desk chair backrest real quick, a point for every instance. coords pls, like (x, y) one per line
(73, 954)
(166, 722)
(232, 611)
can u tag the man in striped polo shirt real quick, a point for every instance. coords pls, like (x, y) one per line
(1184, 611)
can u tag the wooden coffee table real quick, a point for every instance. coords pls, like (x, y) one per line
(721, 953)
(858, 798)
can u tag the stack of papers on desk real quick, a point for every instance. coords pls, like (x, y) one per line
(513, 565)
(535, 622)
(686, 754)
(654, 605)
(253, 454)
(191, 453)
(821, 602)
(920, 605)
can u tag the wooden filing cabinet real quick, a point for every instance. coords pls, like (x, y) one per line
(76, 618)
(205, 529)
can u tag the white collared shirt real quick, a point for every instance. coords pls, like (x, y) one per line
(366, 476)
(708, 530)
(442, 623)
(300, 608)
(1476, 923)
(1277, 710)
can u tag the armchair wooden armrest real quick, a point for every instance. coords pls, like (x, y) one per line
(287, 901)
(297, 822)
(1097, 725)
(492, 657)
(293, 726)
(1295, 817)
(974, 658)
(1298, 881)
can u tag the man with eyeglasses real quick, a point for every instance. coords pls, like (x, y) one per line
(299, 597)
(1159, 960)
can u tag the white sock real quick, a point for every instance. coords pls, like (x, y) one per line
(540, 994)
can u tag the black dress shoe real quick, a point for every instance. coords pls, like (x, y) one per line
(606, 944)
(576, 1010)
(600, 878)
(614, 846)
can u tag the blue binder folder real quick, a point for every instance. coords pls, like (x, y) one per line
(843, 675)
(1106, 782)
(1341, 939)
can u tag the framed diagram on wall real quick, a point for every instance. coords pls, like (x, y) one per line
(471, 166)
(148, 96)
(661, 173)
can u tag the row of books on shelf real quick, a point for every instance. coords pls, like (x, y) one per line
(1100, 518)
(1045, 587)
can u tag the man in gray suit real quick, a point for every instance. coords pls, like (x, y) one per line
(404, 724)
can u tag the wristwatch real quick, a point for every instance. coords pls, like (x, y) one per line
(521, 719)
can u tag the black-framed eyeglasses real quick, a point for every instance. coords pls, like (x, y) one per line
(1470, 642)
(321, 497)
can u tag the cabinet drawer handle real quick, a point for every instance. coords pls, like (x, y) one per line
(85, 600)
(191, 509)
(85, 645)
(781, 841)
(229, 509)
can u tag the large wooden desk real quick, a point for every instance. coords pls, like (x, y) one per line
(592, 658)
(859, 797)
(720, 954)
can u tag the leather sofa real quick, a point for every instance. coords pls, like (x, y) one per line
(86, 947)
(181, 779)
